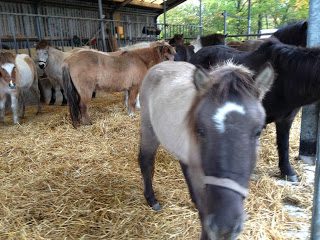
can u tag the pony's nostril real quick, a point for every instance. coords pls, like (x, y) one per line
(41, 66)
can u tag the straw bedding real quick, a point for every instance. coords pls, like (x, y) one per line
(58, 182)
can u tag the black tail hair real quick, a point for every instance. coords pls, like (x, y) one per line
(72, 96)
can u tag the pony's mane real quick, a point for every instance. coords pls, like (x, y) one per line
(154, 45)
(136, 46)
(159, 44)
(300, 65)
(144, 45)
(42, 44)
(7, 57)
(232, 78)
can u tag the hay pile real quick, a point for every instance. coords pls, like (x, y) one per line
(57, 182)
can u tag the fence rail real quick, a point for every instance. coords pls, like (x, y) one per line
(23, 31)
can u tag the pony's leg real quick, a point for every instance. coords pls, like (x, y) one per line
(53, 96)
(2, 107)
(21, 105)
(37, 93)
(133, 92)
(14, 107)
(283, 130)
(184, 168)
(148, 147)
(126, 97)
(64, 99)
(94, 94)
(138, 102)
(85, 119)
(41, 89)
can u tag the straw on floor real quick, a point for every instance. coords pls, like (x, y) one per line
(57, 182)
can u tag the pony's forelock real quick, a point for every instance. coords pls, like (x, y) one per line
(7, 57)
(229, 65)
(42, 44)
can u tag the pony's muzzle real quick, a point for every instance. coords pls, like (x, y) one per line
(12, 85)
(42, 65)
(215, 232)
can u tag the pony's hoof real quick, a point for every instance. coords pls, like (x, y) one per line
(292, 178)
(64, 104)
(51, 103)
(156, 207)
(131, 114)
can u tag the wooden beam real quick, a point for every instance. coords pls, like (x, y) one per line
(141, 4)
(124, 3)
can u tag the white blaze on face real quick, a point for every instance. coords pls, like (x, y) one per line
(8, 67)
(220, 116)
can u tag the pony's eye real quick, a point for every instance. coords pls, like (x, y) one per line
(200, 132)
(257, 133)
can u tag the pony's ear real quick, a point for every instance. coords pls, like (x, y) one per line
(305, 25)
(201, 80)
(226, 35)
(264, 79)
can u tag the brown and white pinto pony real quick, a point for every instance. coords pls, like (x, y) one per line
(87, 70)
(18, 74)
(211, 122)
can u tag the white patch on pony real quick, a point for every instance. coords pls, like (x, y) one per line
(220, 116)
(197, 44)
(8, 67)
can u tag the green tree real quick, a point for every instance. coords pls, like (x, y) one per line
(264, 14)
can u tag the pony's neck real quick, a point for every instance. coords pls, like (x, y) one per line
(150, 56)
(55, 56)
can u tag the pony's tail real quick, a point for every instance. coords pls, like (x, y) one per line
(72, 96)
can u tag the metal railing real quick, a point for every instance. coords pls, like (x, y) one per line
(23, 31)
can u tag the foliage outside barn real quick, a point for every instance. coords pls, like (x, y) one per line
(264, 14)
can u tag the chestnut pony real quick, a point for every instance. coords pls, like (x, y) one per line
(211, 122)
(87, 70)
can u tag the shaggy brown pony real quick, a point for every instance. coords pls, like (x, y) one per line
(87, 70)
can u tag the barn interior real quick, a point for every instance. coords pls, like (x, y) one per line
(58, 182)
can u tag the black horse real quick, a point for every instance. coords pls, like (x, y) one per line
(281, 106)
(297, 84)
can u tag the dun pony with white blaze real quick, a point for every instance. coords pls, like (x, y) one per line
(211, 122)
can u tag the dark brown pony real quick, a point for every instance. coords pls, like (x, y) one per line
(177, 40)
(87, 70)
(211, 122)
(208, 40)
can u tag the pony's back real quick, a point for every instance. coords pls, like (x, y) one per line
(27, 70)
